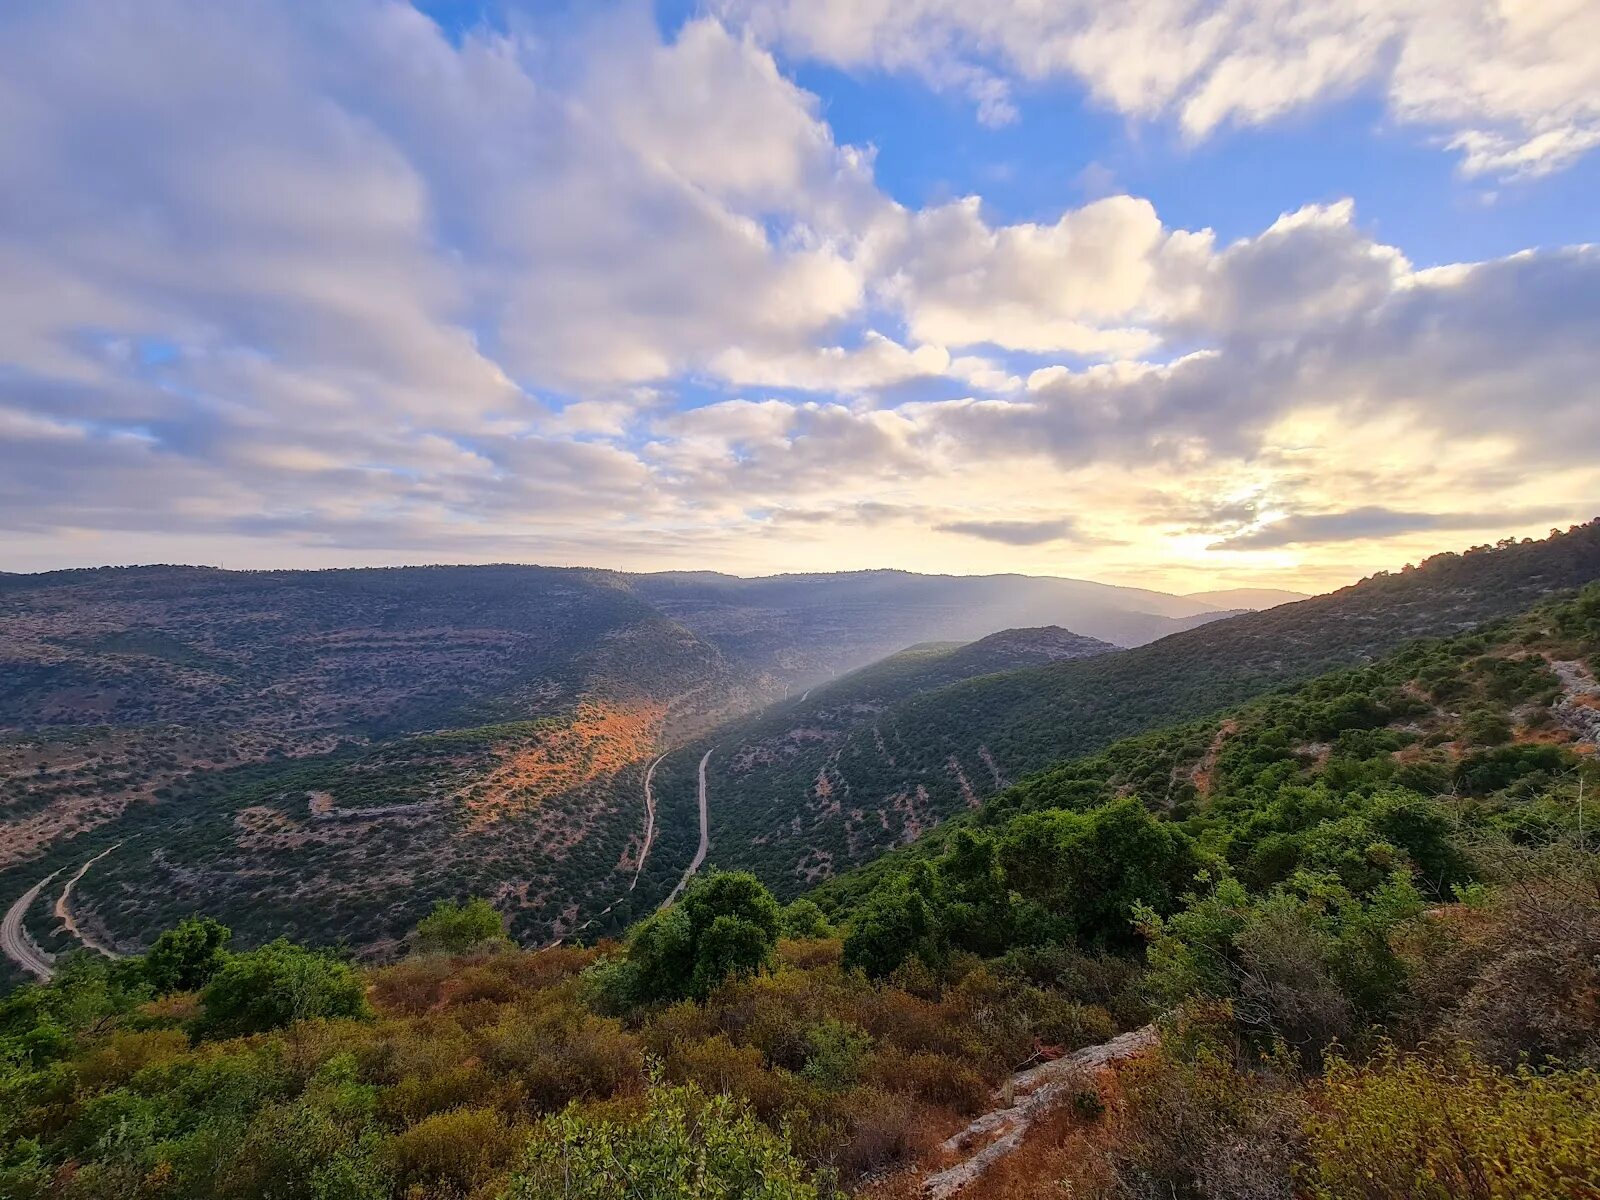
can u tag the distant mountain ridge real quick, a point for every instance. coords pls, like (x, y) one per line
(1249, 598)
(943, 751)
(269, 730)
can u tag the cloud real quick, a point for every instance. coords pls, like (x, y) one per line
(325, 279)
(1515, 88)
(1375, 521)
(1017, 533)
(1079, 285)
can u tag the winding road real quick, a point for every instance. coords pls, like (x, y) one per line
(64, 909)
(705, 838)
(649, 820)
(14, 939)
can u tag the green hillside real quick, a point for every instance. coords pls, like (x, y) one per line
(828, 806)
(1365, 913)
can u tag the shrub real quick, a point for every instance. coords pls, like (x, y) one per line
(836, 1051)
(457, 928)
(277, 985)
(1453, 1128)
(461, 1148)
(1201, 1123)
(681, 1144)
(803, 919)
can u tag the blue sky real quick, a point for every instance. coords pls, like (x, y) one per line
(1172, 294)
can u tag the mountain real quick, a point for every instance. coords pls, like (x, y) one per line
(319, 752)
(830, 804)
(1348, 933)
(1253, 599)
(806, 628)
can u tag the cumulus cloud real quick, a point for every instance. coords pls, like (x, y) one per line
(1515, 88)
(321, 276)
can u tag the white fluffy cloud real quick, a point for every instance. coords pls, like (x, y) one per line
(323, 280)
(1515, 87)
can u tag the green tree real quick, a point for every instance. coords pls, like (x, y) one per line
(277, 985)
(894, 925)
(803, 919)
(184, 958)
(457, 928)
(726, 925)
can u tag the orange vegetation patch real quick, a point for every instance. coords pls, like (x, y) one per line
(1204, 772)
(601, 739)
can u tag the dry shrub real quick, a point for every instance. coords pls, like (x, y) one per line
(886, 1129)
(684, 1021)
(477, 983)
(1200, 1120)
(1538, 992)
(1068, 1025)
(116, 1058)
(917, 1023)
(808, 954)
(937, 1078)
(560, 1056)
(430, 981)
(719, 1066)
(460, 1149)
(416, 1097)
(177, 1009)
(411, 987)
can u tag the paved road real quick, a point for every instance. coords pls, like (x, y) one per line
(14, 939)
(64, 909)
(649, 820)
(705, 838)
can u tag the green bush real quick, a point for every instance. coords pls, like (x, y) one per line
(1452, 1128)
(682, 1145)
(457, 928)
(275, 986)
(184, 959)
(725, 926)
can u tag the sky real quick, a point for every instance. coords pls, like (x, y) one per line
(1183, 294)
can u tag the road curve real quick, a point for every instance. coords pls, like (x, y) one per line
(649, 820)
(64, 909)
(14, 939)
(705, 837)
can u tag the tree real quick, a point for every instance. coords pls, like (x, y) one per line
(457, 928)
(185, 958)
(277, 985)
(726, 925)
(803, 919)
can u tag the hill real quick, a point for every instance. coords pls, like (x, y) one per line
(1347, 933)
(830, 805)
(808, 628)
(1253, 599)
(310, 751)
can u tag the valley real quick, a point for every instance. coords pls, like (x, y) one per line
(320, 753)
(323, 754)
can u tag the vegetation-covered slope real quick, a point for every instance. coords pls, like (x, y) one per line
(319, 747)
(1366, 914)
(821, 808)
